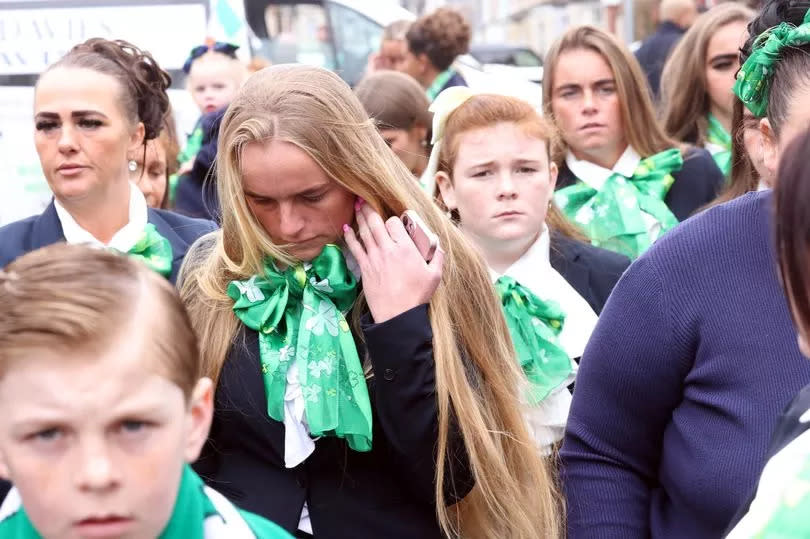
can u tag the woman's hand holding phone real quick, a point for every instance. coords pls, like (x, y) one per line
(396, 277)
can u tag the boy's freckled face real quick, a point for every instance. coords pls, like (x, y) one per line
(94, 442)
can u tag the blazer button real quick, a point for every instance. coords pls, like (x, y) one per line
(389, 374)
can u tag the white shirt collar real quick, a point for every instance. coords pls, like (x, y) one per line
(123, 240)
(595, 176)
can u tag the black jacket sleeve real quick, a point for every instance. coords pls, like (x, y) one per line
(401, 352)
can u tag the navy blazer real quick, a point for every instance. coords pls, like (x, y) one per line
(697, 183)
(591, 271)
(197, 190)
(386, 492)
(655, 50)
(21, 237)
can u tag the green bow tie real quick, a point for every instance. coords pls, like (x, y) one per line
(534, 325)
(153, 250)
(753, 84)
(299, 314)
(719, 144)
(613, 216)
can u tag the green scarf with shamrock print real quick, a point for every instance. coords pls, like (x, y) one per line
(534, 325)
(199, 513)
(299, 315)
(153, 250)
(719, 144)
(613, 216)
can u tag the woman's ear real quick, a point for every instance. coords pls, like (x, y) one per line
(136, 138)
(447, 190)
(199, 415)
(553, 172)
(770, 147)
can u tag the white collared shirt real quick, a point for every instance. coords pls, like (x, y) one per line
(534, 271)
(123, 240)
(595, 176)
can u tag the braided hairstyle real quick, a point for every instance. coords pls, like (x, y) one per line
(143, 82)
(442, 36)
(793, 68)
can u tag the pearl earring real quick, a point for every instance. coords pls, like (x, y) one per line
(133, 165)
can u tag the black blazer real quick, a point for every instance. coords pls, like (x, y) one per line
(591, 271)
(29, 234)
(385, 493)
(697, 183)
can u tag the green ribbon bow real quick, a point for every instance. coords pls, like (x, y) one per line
(153, 250)
(613, 216)
(534, 325)
(438, 83)
(753, 82)
(299, 315)
(719, 144)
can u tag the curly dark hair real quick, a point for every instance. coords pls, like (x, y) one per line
(142, 80)
(441, 35)
(793, 68)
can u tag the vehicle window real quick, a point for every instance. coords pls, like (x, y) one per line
(526, 58)
(356, 37)
(294, 34)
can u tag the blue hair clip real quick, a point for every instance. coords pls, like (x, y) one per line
(228, 49)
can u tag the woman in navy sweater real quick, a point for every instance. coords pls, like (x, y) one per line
(692, 360)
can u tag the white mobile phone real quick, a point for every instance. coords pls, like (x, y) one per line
(425, 240)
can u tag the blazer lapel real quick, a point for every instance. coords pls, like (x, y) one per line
(47, 229)
(179, 246)
(565, 177)
(565, 259)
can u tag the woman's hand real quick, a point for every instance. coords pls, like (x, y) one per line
(395, 276)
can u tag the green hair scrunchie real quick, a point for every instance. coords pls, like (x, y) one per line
(753, 83)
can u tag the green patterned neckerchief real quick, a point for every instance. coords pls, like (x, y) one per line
(192, 508)
(719, 144)
(534, 325)
(438, 83)
(154, 250)
(299, 315)
(753, 83)
(613, 216)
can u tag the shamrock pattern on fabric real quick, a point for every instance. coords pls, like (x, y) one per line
(613, 216)
(153, 250)
(534, 325)
(299, 314)
(753, 84)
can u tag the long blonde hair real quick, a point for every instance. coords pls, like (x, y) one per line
(641, 127)
(684, 96)
(514, 493)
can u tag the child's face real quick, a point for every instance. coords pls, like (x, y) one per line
(213, 83)
(96, 445)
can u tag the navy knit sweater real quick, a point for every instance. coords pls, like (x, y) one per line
(682, 383)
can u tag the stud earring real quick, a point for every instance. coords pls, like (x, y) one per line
(133, 165)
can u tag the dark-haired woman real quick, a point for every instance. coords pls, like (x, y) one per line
(695, 356)
(434, 41)
(97, 104)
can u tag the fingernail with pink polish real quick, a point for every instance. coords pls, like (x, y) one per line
(346, 228)
(359, 203)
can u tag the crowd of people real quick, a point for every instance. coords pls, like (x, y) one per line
(413, 309)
